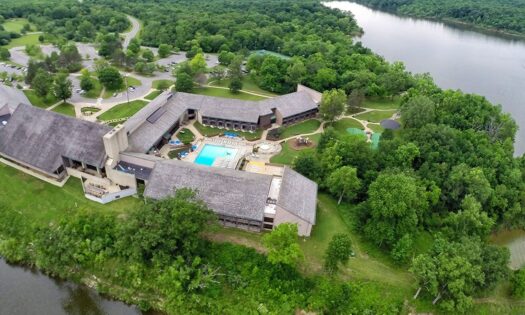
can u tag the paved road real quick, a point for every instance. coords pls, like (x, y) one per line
(135, 28)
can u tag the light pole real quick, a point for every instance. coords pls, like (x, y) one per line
(127, 88)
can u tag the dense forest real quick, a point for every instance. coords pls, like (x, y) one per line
(502, 15)
(448, 175)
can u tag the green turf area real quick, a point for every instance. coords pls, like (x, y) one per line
(382, 103)
(376, 128)
(15, 25)
(42, 102)
(65, 109)
(186, 136)
(307, 126)
(123, 110)
(152, 95)
(212, 132)
(376, 116)
(342, 125)
(225, 93)
(89, 109)
(42, 203)
(131, 81)
(95, 91)
(247, 85)
(288, 154)
(155, 84)
(30, 39)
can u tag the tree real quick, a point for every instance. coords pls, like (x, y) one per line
(471, 220)
(295, 73)
(518, 283)
(163, 85)
(235, 85)
(395, 203)
(332, 104)
(402, 249)
(4, 54)
(226, 57)
(148, 55)
(62, 87)
(218, 73)
(41, 83)
(356, 99)
(109, 44)
(338, 252)
(344, 182)
(110, 78)
(166, 228)
(86, 83)
(134, 46)
(70, 58)
(164, 50)
(282, 245)
(183, 82)
(418, 111)
(198, 64)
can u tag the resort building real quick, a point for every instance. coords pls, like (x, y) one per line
(10, 98)
(112, 162)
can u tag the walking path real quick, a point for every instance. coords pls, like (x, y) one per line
(244, 91)
(135, 28)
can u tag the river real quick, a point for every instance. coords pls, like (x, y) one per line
(26, 291)
(457, 58)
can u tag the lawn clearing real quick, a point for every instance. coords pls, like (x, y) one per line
(95, 91)
(42, 203)
(123, 110)
(152, 95)
(212, 132)
(131, 81)
(376, 128)
(155, 84)
(65, 109)
(30, 39)
(342, 125)
(376, 116)
(247, 85)
(288, 153)
(185, 135)
(16, 25)
(382, 103)
(42, 102)
(225, 93)
(307, 126)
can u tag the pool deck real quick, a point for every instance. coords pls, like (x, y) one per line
(243, 148)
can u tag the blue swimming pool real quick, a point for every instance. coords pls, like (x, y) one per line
(210, 152)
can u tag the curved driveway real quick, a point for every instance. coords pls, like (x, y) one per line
(135, 28)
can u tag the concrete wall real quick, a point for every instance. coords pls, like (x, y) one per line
(278, 117)
(115, 141)
(113, 196)
(283, 216)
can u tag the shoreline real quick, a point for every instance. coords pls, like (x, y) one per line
(451, 22)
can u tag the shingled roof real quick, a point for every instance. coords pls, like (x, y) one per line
(41, 138)
(11, 97)
(291, 104)
(298, 195)
(225, 191)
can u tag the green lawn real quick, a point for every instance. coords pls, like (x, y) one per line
(226, 94)
(152, 95)
(307, 126)
(15, 25)
(288, 154)
(131, 82)
(65, 109)
(376, 128)
(42, 203)
(30, 39)
(42, 102)
(123, 110)
(382, 103)
(155, 84)
(186, 136)
(95, 91)
(341, 125)
(376, 116)
(212, 132)
(247, 85)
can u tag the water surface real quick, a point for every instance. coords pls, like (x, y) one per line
(456, 57)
